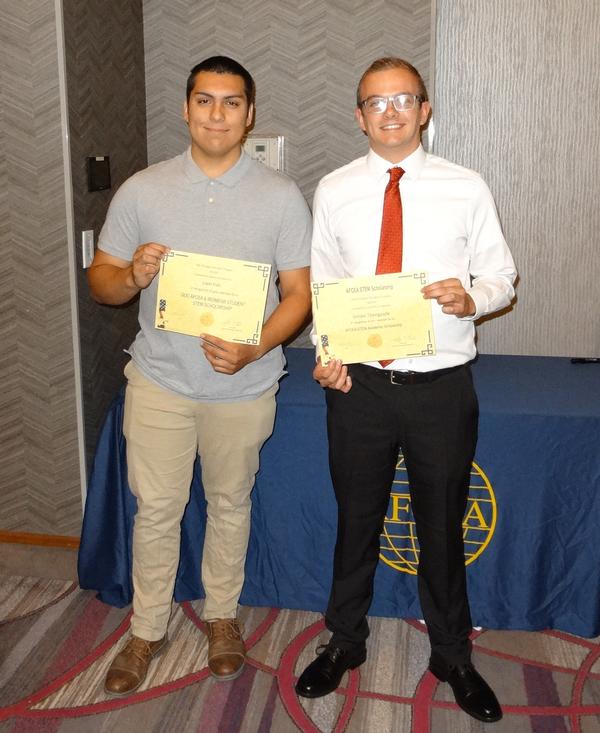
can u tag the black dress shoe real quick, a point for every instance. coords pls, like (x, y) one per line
(324, 674)
(471, 692)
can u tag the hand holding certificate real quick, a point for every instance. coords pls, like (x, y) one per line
(214, 295)
(373, 318)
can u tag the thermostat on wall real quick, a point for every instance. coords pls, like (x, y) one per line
(98, 169)
(268, 150)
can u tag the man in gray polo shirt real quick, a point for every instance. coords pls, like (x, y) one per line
(188, 395)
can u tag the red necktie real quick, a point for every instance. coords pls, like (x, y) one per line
(389, 258)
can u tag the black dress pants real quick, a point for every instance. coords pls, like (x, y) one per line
(435, 424)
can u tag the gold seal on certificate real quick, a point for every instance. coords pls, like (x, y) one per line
(213, 295)
(373, 318)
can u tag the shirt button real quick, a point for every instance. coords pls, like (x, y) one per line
(211, 183)
(211, 200)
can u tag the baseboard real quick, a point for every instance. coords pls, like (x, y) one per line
(38, 555)
(39, 540)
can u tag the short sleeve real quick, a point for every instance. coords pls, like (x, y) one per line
(293, 244)
(119, 235)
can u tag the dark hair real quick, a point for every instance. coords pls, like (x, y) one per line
(222, 65)
(392, 62)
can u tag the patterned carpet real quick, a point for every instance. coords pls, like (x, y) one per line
(56, 642)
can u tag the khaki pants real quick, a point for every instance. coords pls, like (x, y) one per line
(164, 431)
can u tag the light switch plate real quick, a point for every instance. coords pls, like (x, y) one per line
(87, 247)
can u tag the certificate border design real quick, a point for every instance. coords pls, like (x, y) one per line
(262, 268)
(323, 339)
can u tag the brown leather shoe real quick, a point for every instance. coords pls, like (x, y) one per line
(128, 669)
(226, 651)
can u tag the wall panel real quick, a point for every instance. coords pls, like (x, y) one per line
(39, 467)
(517, 90)
(104, 50)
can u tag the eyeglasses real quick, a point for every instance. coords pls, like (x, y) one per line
(402, 103)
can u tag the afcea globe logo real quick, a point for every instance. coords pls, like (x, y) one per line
(399, 547)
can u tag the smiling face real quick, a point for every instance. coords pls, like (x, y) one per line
(392, 135)
(218, 115)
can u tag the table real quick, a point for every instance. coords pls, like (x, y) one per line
(532, 529)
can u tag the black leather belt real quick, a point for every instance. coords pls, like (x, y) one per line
(402, 378)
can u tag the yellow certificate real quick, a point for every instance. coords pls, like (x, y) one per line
(213, 295)
(373, 318)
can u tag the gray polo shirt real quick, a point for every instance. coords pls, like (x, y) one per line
(249, 213)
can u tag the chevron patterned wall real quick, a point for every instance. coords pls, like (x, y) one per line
(517, 99)
(107, 116)
(39, 468)
(306, 58)
(501, 69)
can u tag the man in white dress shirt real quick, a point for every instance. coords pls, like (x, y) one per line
(425, 406)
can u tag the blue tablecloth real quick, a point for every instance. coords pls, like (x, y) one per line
(532, 530)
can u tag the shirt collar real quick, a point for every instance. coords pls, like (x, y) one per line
(412, 164)
(230, 178)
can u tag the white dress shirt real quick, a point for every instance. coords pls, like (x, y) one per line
(450, 230)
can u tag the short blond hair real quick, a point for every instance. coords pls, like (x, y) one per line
(392, 62)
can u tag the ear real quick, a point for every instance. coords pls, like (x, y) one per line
(359, 118)
(250, 116)
(186, 113)
(424, 113)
